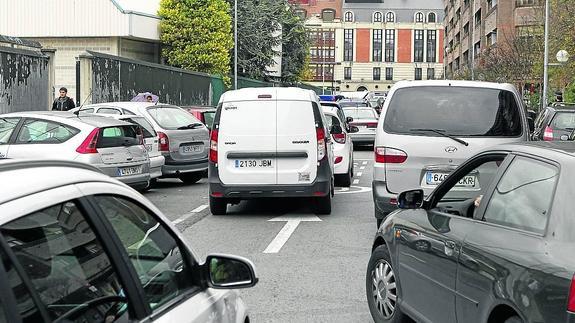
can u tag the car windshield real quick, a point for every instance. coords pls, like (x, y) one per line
(564, 121)
(172, 118)
(345, 104)
(360, 113)
(458, 111)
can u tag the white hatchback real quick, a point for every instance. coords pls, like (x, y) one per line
(342, 146)
(79, 246)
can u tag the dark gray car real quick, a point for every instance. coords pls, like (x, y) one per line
(503, 253)
(556, 122)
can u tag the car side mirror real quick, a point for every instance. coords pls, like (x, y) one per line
(353, 129)
(229, 272)
(410, 199)
(336, 129)
(349, 119)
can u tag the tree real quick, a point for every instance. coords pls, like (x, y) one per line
(295, 48)
(197, 35)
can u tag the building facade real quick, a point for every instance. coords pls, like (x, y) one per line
(371, 44)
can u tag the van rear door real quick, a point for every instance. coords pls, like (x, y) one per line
(247, 140)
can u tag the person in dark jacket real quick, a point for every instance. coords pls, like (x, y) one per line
(63, 102)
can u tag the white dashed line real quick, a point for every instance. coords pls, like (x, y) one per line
(192, 212)
(365, 163)
(359, 174)
(362, 167)
(355, 181)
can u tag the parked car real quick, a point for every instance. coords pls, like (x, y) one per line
(78, 246)
(555, 122)
(151, 142)
(113, 146)
(365, 119)
(269, 142)
(342, 146)
(427, 128)
(205, 114)
(183, 139)
(501, 253)
(339, 111)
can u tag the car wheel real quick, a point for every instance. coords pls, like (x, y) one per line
(514, 319)
(218, 206)
(191, 178)
(344, 180)
(322, 205)
(382, 288)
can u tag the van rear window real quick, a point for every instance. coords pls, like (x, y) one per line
(118, 136)
(459, 111)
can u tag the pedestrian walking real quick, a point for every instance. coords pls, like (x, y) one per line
(63, 102)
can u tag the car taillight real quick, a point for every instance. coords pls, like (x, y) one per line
(339, 137)
(321, 146)
(372, 124)
(548, 134)
(389, 155)
(571, 301)
(164, 142)
(89, 144)
(214, 146)
(338, 159)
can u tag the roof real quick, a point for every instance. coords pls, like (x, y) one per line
(69, 117)
(475, 84)
(404, 9)
(542, 148)
(277, 93)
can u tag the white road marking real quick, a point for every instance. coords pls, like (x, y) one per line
(342, 189)
(288, 229)
(353, 190)
(359, 174)
(192, 212)
(356, 181)
(365, 163)
(362, 167)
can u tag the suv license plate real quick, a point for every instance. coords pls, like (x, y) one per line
(433, 178)
(127, 171)
(253, 163)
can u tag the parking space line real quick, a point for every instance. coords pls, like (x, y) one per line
(292, 222)
(356, 181)
(365, 163)
(362, 167)
(192, 212)
(359, 174)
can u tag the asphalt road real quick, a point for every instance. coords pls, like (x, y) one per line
(310, 271)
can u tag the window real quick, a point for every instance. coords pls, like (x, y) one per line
(431, 74)
(147, 128)
(328, 15)
(348, 45)
(376, 73)
(523, 197)
(419, 17)
(465, 60)
(389, 73)
(377, 17)
(457, 39)
(431, 17)
(491, 4)
(155, 254)
(118, 136)
(109, 111)
(171, 118)
(301, 13)
(44, 132)
(390, 45)
(563, 121)
(66, 263)
(390, 17)
(456, 64)
(477, 48)
(478, 19)
(360, 113)
(466, 30)
(418, 46)
(347, 73)
(377, 45)
(492, 37)
(348, 16)
(431, 46)
(459, 111)
(418, 73)
(7, 126)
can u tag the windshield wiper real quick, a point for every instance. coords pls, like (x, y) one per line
(444, 134)
(191, 126)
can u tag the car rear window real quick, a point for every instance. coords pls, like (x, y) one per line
(352, 104)
(459, 111)
(564, 121)
(118, 136)
(209, 118)
(172, 118)
(147, 128)
(360, 113)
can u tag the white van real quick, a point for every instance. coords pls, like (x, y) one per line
(270, 142)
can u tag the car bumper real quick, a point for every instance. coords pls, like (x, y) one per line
(363, 138)
(156, 164)
(137, 181)
(173, 169)
(382, 199)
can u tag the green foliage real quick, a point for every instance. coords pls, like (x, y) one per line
(295, 52)
(569, 94)
(197, 35)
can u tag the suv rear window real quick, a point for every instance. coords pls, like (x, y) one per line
(564, 121)
(459, 111)
(118, 136)
(172, 118)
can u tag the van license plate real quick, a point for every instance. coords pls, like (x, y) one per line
(253, 163)
(433, 178)
(189, 149)
(127, 171)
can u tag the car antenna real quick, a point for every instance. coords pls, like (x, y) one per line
(77, 112)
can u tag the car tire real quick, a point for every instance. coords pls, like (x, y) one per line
(191, 178)
(383, 308)
(322, 205)
(218, 206)
(514, 319)
(344, 180)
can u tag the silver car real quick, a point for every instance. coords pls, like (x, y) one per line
(428, 128)
(115, 147)
(365, 119)
(79, 246)
(183, 139)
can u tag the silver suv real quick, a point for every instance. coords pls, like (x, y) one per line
(428, 128)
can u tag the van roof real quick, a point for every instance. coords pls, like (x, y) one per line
(277, 93)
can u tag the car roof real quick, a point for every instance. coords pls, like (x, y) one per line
(554, 150)
(562, 108)
(456, 83)
(330, 110)
(23, 176)
(70, 118)
(277, 93)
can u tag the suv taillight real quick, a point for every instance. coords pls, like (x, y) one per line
(88, 146)
(571, 300)
(339, 137)
(321, 145)
(388, 155)
(548, 134)
(214, 146)
(164, 142)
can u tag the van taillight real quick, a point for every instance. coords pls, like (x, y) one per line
(214, 146)
(389, 155)
(164, 142)
(321, 146)
(339, 137)
(571, 300)
(89, 144)
(548, 134)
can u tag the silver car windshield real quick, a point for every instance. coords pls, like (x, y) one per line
(172, 118)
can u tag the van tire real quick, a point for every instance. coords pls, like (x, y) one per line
(191, 178)
(218, 206)
(322, 205)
